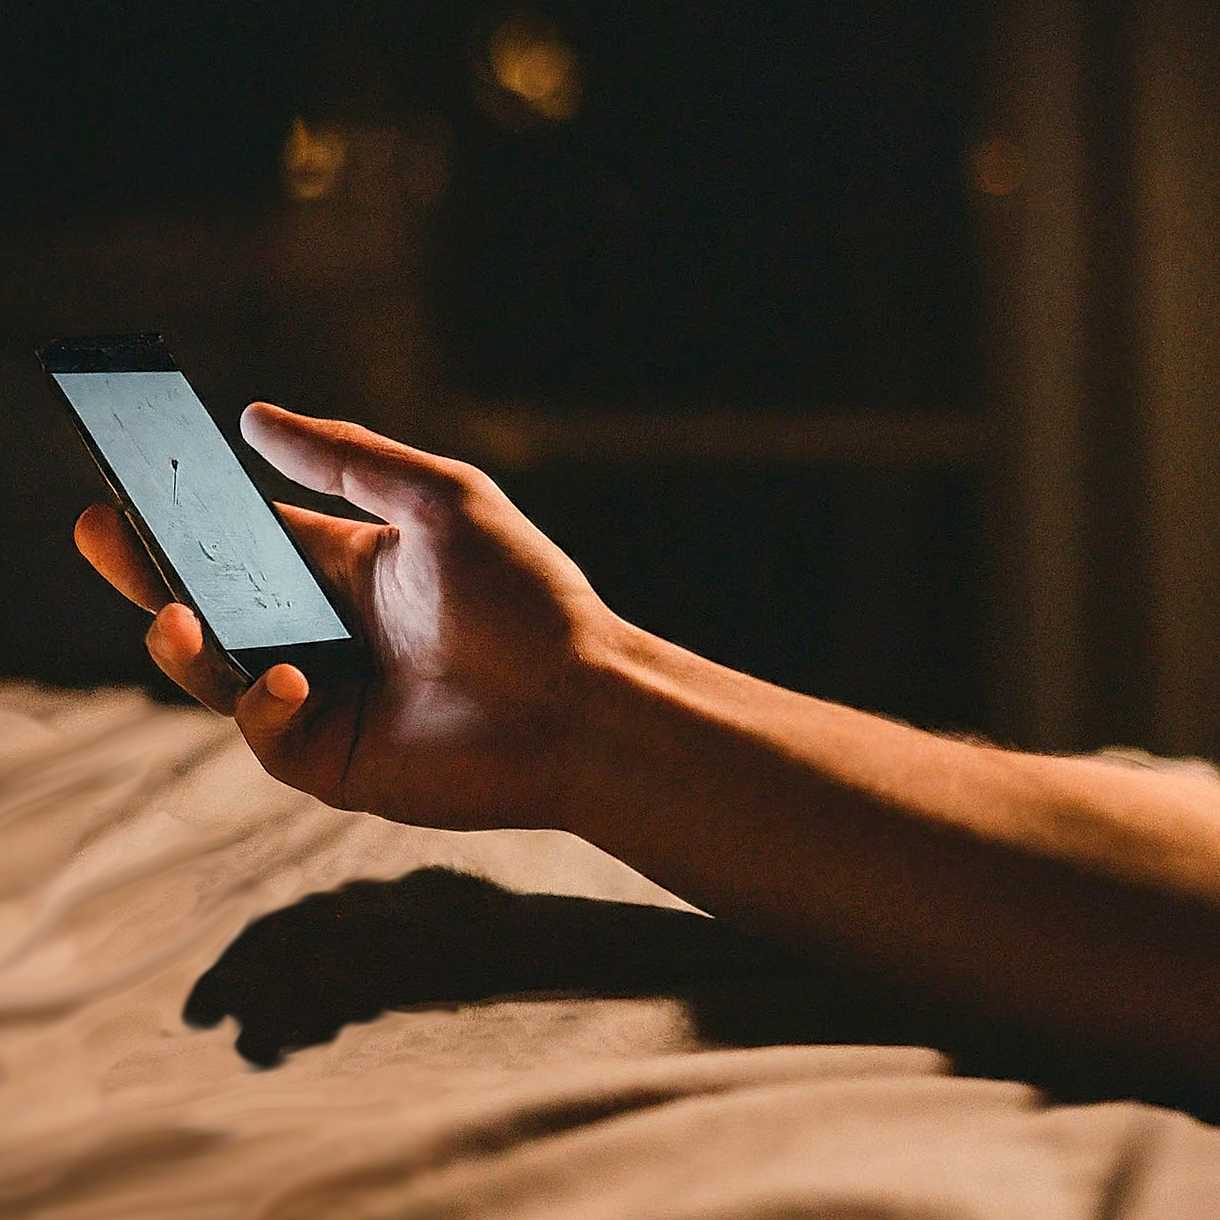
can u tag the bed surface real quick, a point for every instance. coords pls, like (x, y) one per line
(432, 1024)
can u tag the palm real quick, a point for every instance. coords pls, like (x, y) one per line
(467, 635)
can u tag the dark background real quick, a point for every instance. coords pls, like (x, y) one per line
(755, 231)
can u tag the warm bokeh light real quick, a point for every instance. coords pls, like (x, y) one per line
(997, 166)
(532, 62)
(312, 159)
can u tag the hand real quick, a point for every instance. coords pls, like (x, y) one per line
(476, 623)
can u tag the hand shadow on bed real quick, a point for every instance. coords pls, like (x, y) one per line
(437, 938)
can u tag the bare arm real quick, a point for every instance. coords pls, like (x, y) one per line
(1073, 896)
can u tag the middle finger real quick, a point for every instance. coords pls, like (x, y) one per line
(175, 642)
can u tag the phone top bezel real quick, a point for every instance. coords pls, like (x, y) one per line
(144, 352)
(148, 352)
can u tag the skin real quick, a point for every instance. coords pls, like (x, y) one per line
(1065, 895)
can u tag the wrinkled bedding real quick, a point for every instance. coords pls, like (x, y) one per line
(219, 998)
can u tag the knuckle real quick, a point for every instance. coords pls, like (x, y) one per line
(349, 434)
(351, 440)
(348, 438)
(337, 429)
(451, 488)
(472, 485)
(356, 440)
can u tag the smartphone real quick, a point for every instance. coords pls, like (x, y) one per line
(210, 532)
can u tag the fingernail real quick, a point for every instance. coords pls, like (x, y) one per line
(271, 684)
(249, 423)
(154, 642)
(281, 685)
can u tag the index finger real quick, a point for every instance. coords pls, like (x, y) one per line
(382, 476)
(108, 542)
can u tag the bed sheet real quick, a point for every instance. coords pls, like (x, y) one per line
(220, 999)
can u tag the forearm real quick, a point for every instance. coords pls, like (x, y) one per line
(1066, 894)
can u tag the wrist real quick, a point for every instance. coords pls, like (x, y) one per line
(605, 703)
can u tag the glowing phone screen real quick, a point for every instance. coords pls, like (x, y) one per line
(224, 542)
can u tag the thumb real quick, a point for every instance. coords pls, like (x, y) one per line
(337, 458)
(343, 551)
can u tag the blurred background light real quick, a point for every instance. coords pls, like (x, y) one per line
(530, 60)
(312, 159)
